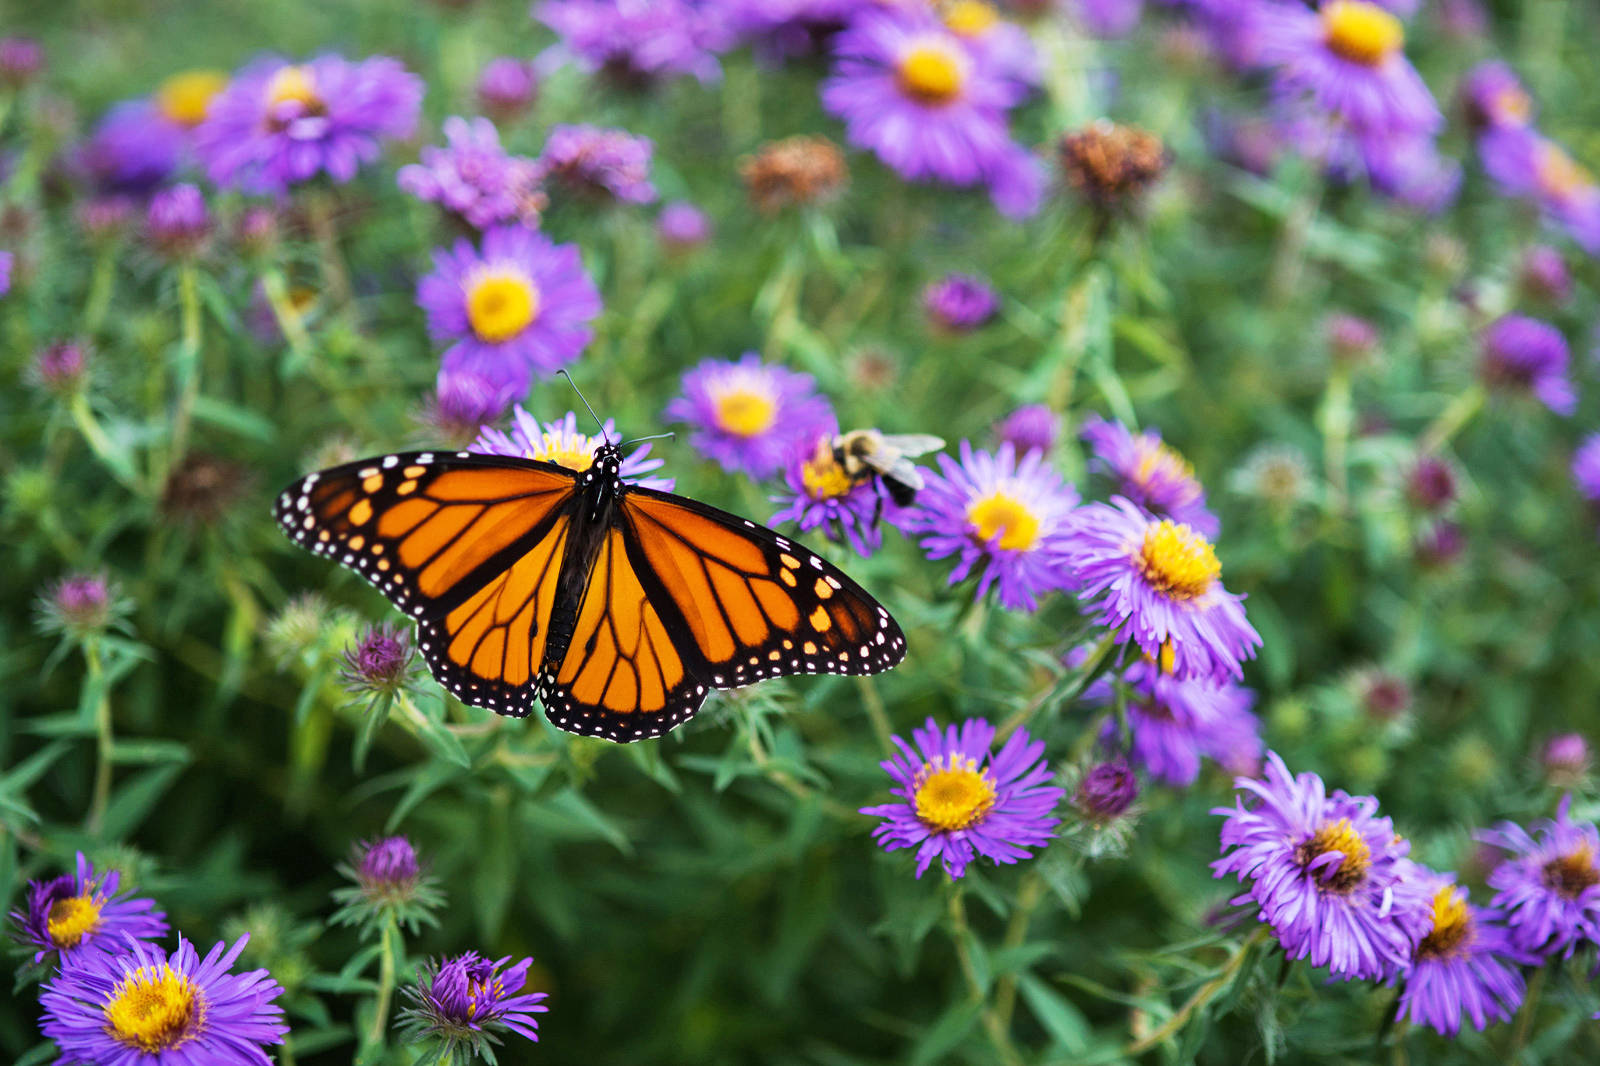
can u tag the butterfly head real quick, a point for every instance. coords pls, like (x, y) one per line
(607, 464)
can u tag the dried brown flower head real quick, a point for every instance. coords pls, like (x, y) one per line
(794, 172)
(203, 488)
(1110, 164)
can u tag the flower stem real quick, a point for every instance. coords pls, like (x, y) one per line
(94, 680)
(1005, 991)
(100, 289)
(1336, 418)
(288, 319)
(95, 437)
(1530, 1007)
(1203, 995)
(960, 933)
(320, 208)
(1450, 421)
(388, 966)
(188, 360)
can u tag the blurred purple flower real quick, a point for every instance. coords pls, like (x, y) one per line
(1351, 338)
(1525, 354)
(1565, 759)
(1463, 965)
(1007, 521)
(1030, 428)
(132, 150)
(465, 401)
(682, 226)
(1106, 791)
(7, 261)
(1150, 473)
(1109, 19)
(279, 124)
(749, 416)
(61, 367)
(1174, 723)
(1548, 886)
(1493, 96)
(957, 799)
(960, 303)
(781, 28)
(516, 306)
(105, 219)
(1328, 874)
(506, 88)
(21, 59)
(598, 165)
(177, 222)
(560, 442)
(1545, 276)
(474, 178)
(1431, 484)
(639, 42)
(76, 916)
(1586, 468)
(1526, 165)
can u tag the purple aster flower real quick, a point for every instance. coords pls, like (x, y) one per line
(80, 604)
(639, 42)
(1150, 473)
(466, 1001)
(1527, 165)
(1030, 428)
(21, 59)
(381, 661)
(1463, 965)
(1545, 276)
(475, 178)
(960, 303)
(279, 123)
(1002, 44)
(1007, 520)
(1346, 60)
(1328, 874)
(77, 916)
(506, 88)
(682, 226)
(1525, 354)
(177, 222)
(1106, 791)
(598, 165)
(821, 493)
(560, 442)
(1109, 19)
(783, 28)
(7, 261)
(749, 416)
(132, 150)
(1492, 96)
(957, 799)
(1174, 723)
(1548, 887)
(142, 1006)
(1586, 468)
(465, 401)
(1158, 583)
(930, 107)
(515, 306)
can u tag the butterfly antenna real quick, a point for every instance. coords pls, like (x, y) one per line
(641, 440)
(579, 391)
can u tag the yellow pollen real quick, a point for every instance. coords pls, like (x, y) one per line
(1177, 561)
(1158, 458)
(1355, 859)
(501, 304)
(931, 72)
(1006, 517)
(1169, 657)
(744, 412)
(823, 478)
(574, 453)
(1574, 873)
(184, 98)
(953, 795)
(1514, 105)
(969, 18)
(154, 1009)
(1559, 176)
(1361, 32)
(293, 84)
(1452, 924)
(72, 919)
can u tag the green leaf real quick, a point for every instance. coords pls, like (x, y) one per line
(945, 1034)
(1064, 1022)
(376, 714)
(136, 798)
(137, 752)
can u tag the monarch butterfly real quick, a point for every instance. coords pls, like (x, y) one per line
(619, 607)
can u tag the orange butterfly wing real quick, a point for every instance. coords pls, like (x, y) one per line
(470, 546)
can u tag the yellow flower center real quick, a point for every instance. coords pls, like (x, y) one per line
(501, 303)
(574, 453)
(969, 18)
(1574, 873)
(1006, 517)
(823, 478)
(745, 412)
(1361, 32)
(154, 1009)
(1177, 561)
(72, 919)
(1559, 176)
(931, 72)
(1513, 104)
(1355, 856)
(1452, 924)
(184, 98)
(293, 84)
(953, 795)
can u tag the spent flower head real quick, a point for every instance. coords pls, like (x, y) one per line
(799, 171)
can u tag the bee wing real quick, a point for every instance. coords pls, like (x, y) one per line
(912, 444)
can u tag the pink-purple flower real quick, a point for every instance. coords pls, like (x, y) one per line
(1008, 521)
(1031, 427)
(1548, 885)
(1149, 472)
(467, 1001)
(560, 442)
(142, 1006)
(960, 303)
(1525, 354)
(957, 799)
(1174, 723)
(515, 306)
(1493, 96)
(507, 87)
(474, 178)
(639, 42)
(598, 165)
(1526, 165)
(749, 416)
(76, 916)
(281, 123)
(1328, 874)
(1586, 468)
(819, 493)
(931, 107)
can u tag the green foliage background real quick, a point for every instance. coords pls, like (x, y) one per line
(712, 897)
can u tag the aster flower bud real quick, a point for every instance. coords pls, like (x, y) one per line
(959, 303)
(104, 220)
(1544, 276)
(1030, 428)
(21, 59)
(80, 605)
(1351, 339)
(177, 222)
(256, 231)
(1113, 166)
(1106, 792)
(802, 171)
(60, 368)
(1381, 695)
(682, 227)
(506, 88)
(1440, 545)
(379, 663)
(1431, 484)
(390, 883)
(1565, 760)
(464, 402)
(296, 633)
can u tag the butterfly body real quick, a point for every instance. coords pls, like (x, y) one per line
(616, 607)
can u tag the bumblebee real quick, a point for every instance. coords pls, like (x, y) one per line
(867, 454)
